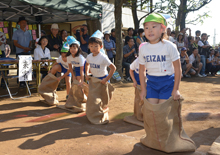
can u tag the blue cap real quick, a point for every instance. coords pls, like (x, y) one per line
(71, 40)
(98, 34)
(184, 49)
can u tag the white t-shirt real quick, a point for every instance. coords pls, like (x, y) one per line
(38, 53)
(98, 64)
(77, 61)
(135, 65)
(158, 58)
(192, 58)
(65, 64)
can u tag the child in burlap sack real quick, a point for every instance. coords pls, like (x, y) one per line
(162, 106)
(77, 96)
(62, 66)
(97, 63)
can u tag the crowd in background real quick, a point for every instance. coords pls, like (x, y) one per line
(196, 55)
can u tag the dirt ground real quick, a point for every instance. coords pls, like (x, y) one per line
(28, 126)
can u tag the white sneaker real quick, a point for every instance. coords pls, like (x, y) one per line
(199, 75)
(128, 79)
(204, 75)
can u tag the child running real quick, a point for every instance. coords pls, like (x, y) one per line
(62, 66)
(161, 60)
(75, 59)
(97, 62)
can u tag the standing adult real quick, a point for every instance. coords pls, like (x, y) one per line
(130, 35)
(185, 37)
(203, 51)
(168, 32)
(54, 41)
(109, 45)
(82, 36)
(63, 35)
(2, 44)
(140, 38)
(129, 55)
(112, 37)
(22, 41)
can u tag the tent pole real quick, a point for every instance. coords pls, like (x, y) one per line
(39, 28)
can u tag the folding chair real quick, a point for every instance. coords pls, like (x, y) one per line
(6, 77)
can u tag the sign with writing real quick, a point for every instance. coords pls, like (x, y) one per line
(25, 68)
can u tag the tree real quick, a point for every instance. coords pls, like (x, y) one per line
(119, 43)
(180, 9)
(93, 25)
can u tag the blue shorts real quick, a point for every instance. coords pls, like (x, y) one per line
(64, 70)
(103, 78)
(136, 76)
(77, 70)
(160, 87)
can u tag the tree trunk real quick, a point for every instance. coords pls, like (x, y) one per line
(93, 25)
(181, 15)
(119, 43)
(134, 14)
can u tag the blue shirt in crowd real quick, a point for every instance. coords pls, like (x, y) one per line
(113, 38)
(109, 45)
(23, 39)
(84, 47)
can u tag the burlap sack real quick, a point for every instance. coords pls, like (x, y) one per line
(215, 147)
(163, 127)
(138, 104)
(47, 89)
(77, 97)
(97, 102)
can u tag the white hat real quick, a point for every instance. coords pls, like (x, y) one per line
(54, 26)
(106, 32)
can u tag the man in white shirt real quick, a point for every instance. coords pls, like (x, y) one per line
(194, 60)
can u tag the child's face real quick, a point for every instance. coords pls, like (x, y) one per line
(212, 52)
(195, 52)
(153, 31)
(44, 42)
(173, 35)
(73, 49)
(95, 48)
(63, 55)
(183, 52)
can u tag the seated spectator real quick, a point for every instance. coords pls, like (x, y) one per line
(191, 42)
(129, 55)
(209, 63)
(42, 52)
(186, 66)
(172, 37)
(130, 35)
(216, 62)
(109, 45)
(180, 42)
(112, 37)
(140, 38)
(63, 35)
(194, 60)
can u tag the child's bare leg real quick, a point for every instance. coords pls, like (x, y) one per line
(153, 100)
(78, 78)
(68, 83)
(162, 101)
(55, 69)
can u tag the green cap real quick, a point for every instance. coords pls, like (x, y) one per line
(65, 48)
(156, 17)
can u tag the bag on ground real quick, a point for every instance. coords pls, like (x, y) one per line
(97, 102)
(47, 89)
(163, 127)
(77, 97)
